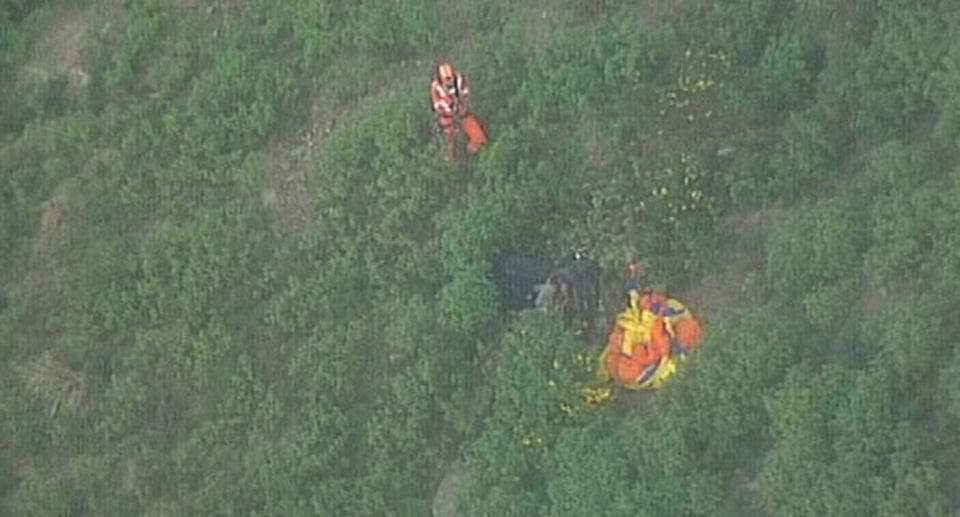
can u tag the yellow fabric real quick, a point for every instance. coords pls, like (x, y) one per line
(637, 327)
(676, 305)
(668, 366)
(671, 321)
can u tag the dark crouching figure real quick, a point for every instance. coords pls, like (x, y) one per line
(573, 289)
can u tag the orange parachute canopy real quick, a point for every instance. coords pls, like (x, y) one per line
(644, 345)
(638, 364)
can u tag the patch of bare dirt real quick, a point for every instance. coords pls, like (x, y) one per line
(540, 23)
(163, 507)
(130, 477)
(37, 284)
(59, 52)
(62, 389)
(721, 290)
(943, 429)
(875, 298)
(445, 500)
(51, 224)
(740, 262)
(289, 195)
(53, 236)
(658, 12)
(746, 493)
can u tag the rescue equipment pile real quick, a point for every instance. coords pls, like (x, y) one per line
(647, 340)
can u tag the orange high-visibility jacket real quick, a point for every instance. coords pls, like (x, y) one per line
(446, 101)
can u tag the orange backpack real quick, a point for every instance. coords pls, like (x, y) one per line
(475, 134)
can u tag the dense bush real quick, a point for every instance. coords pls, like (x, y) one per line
(842, 446)
(540, 370)
(896, 72)
(814, 259)
(806, 158)
(788, 71)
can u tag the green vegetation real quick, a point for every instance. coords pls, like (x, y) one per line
(237, 278)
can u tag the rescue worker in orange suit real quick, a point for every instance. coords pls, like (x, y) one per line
(450, 95)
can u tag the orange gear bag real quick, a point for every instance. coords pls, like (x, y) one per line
(476, 135)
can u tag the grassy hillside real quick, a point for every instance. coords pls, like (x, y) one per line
(237, 277)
